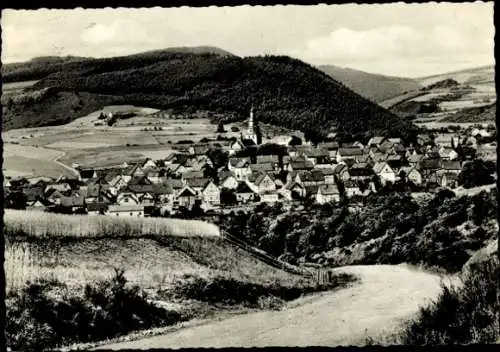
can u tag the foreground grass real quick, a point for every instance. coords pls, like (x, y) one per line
(464, 315)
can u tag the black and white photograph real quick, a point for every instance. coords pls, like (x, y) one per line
(250, 176)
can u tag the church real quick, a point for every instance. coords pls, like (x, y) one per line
(252, 136)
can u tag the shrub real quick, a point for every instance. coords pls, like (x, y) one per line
(469, 314)
(44, 314)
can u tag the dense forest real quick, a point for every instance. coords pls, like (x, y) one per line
(284, 91)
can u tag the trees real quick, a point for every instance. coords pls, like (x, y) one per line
(220, 128)
(476, 173)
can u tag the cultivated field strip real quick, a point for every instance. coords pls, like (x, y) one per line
(46, 225)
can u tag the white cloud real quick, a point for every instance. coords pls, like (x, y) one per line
(99, 33)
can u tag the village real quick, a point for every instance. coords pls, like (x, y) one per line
(224, 174)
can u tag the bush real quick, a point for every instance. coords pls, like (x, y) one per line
(461, 315)
(231, 291)
(44, 314)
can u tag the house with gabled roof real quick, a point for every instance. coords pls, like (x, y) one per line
(186, 197)
(360, 171)
(175, 169)
(384, 172)
(451, 166)
(414, 159)
(341, 172)
(75, 202)
(211, 193)
(38, 204)
(197, 184)
(328, 175)
(317, 155)
(293, 191)
(327, 193)
(188, 175)
(395, 161)
(448, 153)
(236, 146)
(199, 149)
(262, 182)
(268, 159)
(227, 180)
(411, 174)
(351, 189)
(299, 163)
(449, 179)
(257, 168)
(244, 193)
(240, 167)
(345, 154)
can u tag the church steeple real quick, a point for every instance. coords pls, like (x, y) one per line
(250, 121)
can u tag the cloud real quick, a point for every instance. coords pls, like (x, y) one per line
(99, 33)
(398, 46)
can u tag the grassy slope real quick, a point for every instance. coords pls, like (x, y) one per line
(371, 86)
(153, 252)
(284, 91)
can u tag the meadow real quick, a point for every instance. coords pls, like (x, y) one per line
(154, 253)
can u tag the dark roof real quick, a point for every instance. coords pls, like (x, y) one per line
(139, 180)
(200, 149)
(301, 165)
(262, 167)
(192, 174)
(329, 145)
(76, 199)
(262, 159)
(33, 192)
(429, 164)
(350, 151)
(199, 182)
(243, 187)
(311, 176)
(239, 162)
(247, 142)
(451, 165)
(187, 192)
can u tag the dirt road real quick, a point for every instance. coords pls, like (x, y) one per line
(384, 297)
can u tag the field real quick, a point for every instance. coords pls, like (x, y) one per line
(32, 151)
(153, 252)
(30, 161)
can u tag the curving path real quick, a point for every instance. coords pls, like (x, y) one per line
(385, 296)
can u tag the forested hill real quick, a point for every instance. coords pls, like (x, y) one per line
(372, 86)
(284, 91)
(40, 67)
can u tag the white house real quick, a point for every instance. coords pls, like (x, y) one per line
(327, 193)
(384, 172)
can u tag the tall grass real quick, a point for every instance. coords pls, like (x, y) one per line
(41, 225)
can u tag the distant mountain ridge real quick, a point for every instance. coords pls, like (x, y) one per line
(371, 86)
(284, 91)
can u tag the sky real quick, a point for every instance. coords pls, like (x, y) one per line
(409, 40)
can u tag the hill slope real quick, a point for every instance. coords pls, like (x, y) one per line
(371, 86)
(284, 91)
(477, 75)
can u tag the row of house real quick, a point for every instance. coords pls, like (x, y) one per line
(187, 176)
